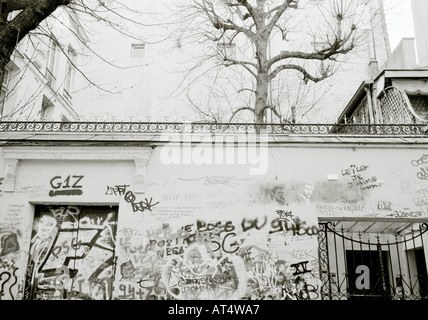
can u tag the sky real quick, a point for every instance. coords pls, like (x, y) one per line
(399, 19)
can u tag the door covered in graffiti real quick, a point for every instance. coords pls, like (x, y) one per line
(72, 253)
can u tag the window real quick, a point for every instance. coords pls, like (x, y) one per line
(3, 91)
(138, 49)
(72, 253)
(420, 104)
(64, 118)
(105, 3)
(319, 45)
(47, 109)
(226, 51)
(50, 67)
(68, 81)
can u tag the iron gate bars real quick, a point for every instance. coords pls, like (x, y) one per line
(393, 264)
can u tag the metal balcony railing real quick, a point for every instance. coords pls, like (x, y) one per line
(211, 128)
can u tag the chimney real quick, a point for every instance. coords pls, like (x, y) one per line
(373, 69)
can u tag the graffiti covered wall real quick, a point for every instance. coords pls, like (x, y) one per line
(52, 245)
(264, 228)
(81, 230)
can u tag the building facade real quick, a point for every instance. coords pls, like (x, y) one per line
(44, 73)
(397, 93)
(139, 211)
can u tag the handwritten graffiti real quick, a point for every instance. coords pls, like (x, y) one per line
(354, 170)
(8, 280)
(423, 192)
(117, 190)
(266, 276)
(297, 227)
(130, 231)
(143, 205)
(9, 249)
(217, 180)
(71, 253)
(356, 174)
(221, 235)
(348, 206)
(300, 268)
(153, 286)
(421, 161)
(271, 278)
(405, 214)
(64, 212)
(219, 260)
(69, 186)
(421, 202)
(304, 253)
(128, 292)
(422, 165)
(423, 173)
(248, 224)
(139, 206)
(198, 275)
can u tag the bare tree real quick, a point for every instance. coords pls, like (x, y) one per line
(254, 24)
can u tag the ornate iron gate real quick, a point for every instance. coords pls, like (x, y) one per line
(362, 265)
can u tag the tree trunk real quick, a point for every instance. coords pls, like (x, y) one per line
(261, 98)
(261, 43)
(262, 82)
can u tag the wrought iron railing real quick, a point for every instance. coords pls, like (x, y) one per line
(220, 128)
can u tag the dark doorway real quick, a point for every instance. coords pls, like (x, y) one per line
(421, 268)
(376, 263)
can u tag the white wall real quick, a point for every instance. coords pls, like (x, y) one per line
(348, 181)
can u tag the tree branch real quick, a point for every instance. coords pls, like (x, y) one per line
(219, 23)
(338, 47)
(274, 111)
(279, 12)
(302, 70)
(245, 64)
(239, 110)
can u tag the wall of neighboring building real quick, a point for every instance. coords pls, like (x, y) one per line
(156, 87)
(165, 223)
(419, 9)
(44, 72)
